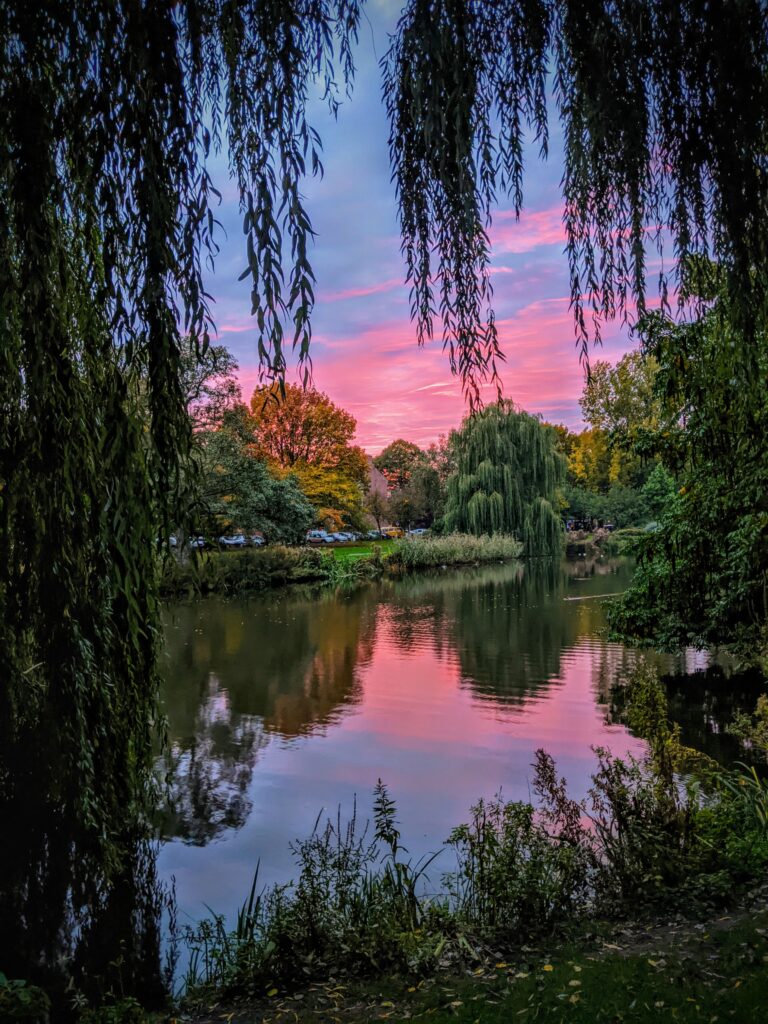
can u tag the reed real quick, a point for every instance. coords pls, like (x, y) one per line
(453, 549)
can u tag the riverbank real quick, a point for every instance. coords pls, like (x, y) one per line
(582, 544)
(678, 969)
(236, 572)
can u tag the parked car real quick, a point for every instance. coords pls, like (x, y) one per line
(392, 532)
(374, 535)
(316, 537)
(342, 537)
(235, 540)
(418, 532)
(257, 540)
(197, 543)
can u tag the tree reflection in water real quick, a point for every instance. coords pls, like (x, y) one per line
(70, 921)
(240, 673)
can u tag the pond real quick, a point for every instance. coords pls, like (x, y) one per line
(287, 704)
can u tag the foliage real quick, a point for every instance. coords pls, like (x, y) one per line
(302, 432)
(622, 400)
(233, 572)
(752, 730)
(453, 549)
(377, 506)
(208, 384)
(295, 426)
(22, 1002)
(658, 493)
(240, 493)
(337, 498)
(508, 473)
(634, 83)
(111, 112)
(398, 461)
(701, 577)
(421, 500)
(510, 873)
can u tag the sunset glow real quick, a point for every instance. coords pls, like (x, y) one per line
(364, 348)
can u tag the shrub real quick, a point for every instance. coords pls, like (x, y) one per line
(235, 571)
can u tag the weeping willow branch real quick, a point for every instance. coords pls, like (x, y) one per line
(111, 110)
(663, 109)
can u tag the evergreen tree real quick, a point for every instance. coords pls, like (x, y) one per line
(508, 473)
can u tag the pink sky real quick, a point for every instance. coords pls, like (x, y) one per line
(364, 349)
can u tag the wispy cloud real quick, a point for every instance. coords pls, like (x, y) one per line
(362, 291)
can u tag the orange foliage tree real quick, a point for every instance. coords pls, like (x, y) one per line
(304, 433)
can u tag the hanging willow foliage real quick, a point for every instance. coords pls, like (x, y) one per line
(110, 111)
(664, 113)
(508, 471)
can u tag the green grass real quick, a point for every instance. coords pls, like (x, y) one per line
(583, 989)
(362, 550)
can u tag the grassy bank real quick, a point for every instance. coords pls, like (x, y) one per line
(233, 572)
(715, 971)
(454, 549)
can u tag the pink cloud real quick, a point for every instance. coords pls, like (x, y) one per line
(363, 291)
(395, 389)
(533, 229)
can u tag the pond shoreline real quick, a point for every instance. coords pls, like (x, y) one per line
(258, 569)
(616, 965)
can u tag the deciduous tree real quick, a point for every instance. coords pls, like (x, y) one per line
(398, 461)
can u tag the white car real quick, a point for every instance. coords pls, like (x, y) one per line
(236, 540)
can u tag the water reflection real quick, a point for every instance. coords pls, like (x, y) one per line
(444, 685)
(71, 920)
(238, 673)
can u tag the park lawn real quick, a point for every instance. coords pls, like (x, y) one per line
(363, 549)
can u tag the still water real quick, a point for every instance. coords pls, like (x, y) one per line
(443, 686)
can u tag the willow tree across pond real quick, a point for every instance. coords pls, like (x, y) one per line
(508, 472)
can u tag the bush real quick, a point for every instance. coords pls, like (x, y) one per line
(452, 549)
(231, 572)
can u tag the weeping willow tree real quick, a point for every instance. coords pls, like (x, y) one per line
(111, 111)
(508, 471)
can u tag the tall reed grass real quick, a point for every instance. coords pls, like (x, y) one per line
(453, 549)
